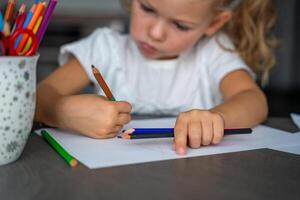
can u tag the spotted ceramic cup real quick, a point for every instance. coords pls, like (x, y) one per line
(17, 104)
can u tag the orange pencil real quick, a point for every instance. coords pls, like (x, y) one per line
(37, 13)
(102, 84)
(36, 27)
(9, 10)
(7, 16)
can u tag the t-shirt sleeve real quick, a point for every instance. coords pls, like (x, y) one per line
(221, 60)
(92, 50)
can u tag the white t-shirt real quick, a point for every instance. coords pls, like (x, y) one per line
(162, 87)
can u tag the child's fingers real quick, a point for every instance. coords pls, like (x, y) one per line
(123, 106)
(180, 135)
(218, 126)
(115, 130)
(111, 130)
(111, 135)
(207, 132)
(123, 118)
(194, 134)
(103, 136)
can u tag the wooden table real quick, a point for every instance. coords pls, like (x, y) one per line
(258, 174)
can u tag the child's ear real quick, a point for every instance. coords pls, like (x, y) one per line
(218, 22)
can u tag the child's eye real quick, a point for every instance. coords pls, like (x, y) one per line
(146, 8)
(181, 27)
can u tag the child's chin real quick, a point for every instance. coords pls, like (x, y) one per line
(152, 57)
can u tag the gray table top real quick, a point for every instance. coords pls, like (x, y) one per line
(259, 174)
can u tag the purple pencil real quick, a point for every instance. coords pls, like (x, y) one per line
(47, 15)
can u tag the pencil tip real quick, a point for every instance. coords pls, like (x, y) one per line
(127, 137)
(129, 131)
(73, 163)
(94, 69)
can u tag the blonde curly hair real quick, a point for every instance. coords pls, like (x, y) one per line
(250, 29)
(251, 32)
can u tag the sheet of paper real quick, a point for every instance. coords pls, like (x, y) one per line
(115, 152)
(296, 119)
(295, 149)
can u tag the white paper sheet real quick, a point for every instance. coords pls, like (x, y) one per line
(296, 119)
(115, 152)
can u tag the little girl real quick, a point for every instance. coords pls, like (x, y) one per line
(191, 58)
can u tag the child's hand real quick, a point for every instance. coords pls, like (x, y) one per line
(93, 115)
(196, 128)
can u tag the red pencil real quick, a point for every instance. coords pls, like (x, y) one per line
(20, 18)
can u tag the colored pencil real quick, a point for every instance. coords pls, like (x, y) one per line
(47, 15)
(9, 10)
(37, 13)
(29, 16)
(140, 133)
(1, 22)
(36, 27)
(26, 22)
(171, 130)
(146, 136)
(19, 22)
(7, 17)
(6, 28)
(20, 18)
(59, 149)
(102, 84)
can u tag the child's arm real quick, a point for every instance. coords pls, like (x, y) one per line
(89, 114)
(244, 105)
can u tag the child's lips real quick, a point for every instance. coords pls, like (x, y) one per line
(146, 48)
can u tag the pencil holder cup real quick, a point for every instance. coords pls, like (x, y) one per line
(17, 104)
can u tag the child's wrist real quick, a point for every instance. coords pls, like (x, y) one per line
(58, 112)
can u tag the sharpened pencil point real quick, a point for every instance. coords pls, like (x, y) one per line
(94, 69)
(129, 131)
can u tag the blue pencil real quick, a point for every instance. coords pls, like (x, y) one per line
(140, 133)
(152, 130)
(1, 22)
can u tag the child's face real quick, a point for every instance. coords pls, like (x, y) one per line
(163, 29)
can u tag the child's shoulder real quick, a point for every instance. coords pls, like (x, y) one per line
(219, 41)
(105, 33)
(214, 49)
(102, 47)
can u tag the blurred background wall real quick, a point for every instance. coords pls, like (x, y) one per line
(74, 19)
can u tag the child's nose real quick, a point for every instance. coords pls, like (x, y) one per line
(157, 31)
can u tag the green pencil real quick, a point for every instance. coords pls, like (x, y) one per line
(59, 149)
